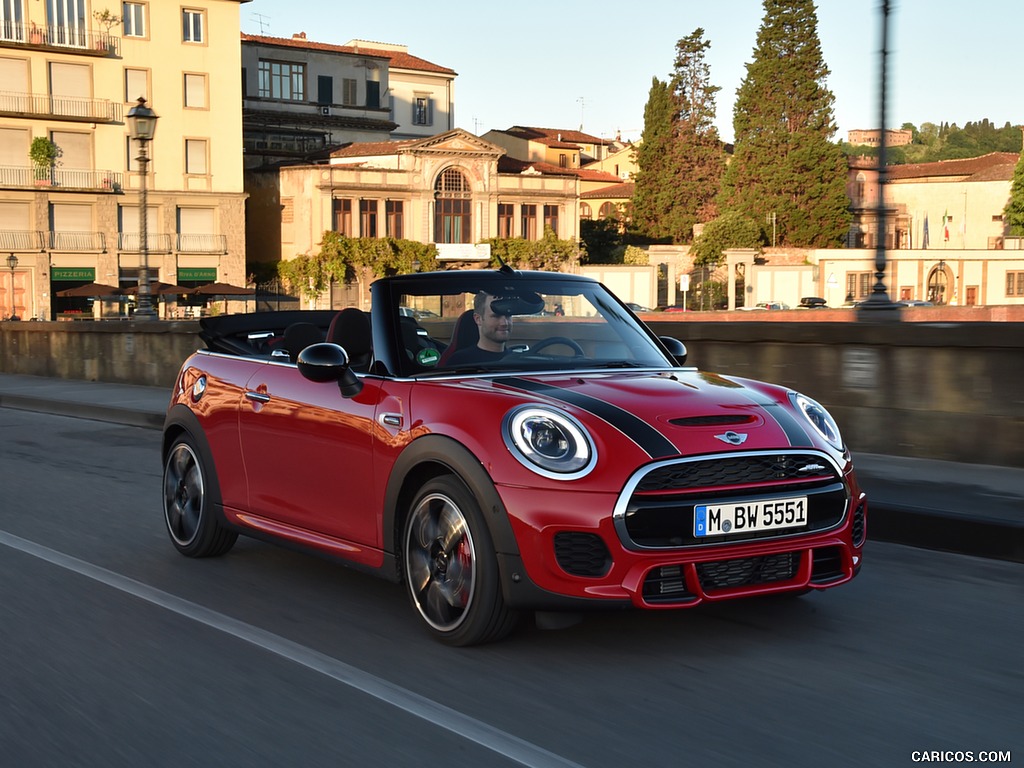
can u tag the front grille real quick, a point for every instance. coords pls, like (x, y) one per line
(582, 554)
(747, 571)
(827, 565)
(657, 508)
(859, 525)
(667, 585)
(737, 470)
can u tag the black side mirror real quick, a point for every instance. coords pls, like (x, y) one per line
(328, 362)
(675, 347)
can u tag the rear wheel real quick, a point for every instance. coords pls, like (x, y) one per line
(451, 571)
(190, 502)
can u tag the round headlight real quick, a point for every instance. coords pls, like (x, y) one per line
(549, 442)
(821, 419)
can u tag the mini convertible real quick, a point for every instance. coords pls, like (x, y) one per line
(583, 466)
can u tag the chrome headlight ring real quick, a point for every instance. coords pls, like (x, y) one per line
(819, 418)
(549, 442)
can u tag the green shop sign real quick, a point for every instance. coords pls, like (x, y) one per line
(198, 274)
(73, 273)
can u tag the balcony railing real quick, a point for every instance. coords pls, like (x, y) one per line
(202, 243)
(131, 242)
(67, 107)
(89, 41)
(74, 178)
(22, 240)
(77, 241)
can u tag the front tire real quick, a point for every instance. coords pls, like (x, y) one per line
(451, 571)
(190, 503)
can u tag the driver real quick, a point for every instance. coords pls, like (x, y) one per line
(495, 329)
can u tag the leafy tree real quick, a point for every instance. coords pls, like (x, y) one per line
(680, 172)
(1014, 212)
(785, 162)
(730, 230)
(549, 253)
(602, 240)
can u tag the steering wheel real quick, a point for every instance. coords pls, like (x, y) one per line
(551, 341)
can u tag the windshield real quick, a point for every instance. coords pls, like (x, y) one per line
(494, 322)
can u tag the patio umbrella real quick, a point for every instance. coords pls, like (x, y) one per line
(89, 290)
(222, 289)
(156, 288)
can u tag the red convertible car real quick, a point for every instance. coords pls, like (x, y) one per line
(505, 442)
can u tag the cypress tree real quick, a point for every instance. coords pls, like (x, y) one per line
(1014, 213)
(785, 161)
(680, 159)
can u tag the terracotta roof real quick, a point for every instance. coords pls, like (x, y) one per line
(975, 168)
(623, 190)
(595, 174)
(372, 148)
(508, 164)
(570, 136)
(398, 59)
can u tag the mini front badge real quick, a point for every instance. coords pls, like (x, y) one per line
(732, 438)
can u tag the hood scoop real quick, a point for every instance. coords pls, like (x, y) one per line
(726, 420)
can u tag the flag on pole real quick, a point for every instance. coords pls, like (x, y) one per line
(924, 237)
(945, 225)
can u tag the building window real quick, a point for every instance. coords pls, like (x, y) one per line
(192, 25)
(1015, 283)
(608, 211)
(858, 285)
(133, 16)
(585, 211)
(195, 91)
(421, 111)
(394, 210)
(349, 93)
(563, 161)
(551, 218)
(452, 208)
(529, 228)
(282, 80)
(506, 214)
(341, 213)
(195, 157)
(136, 83)
(368, 218)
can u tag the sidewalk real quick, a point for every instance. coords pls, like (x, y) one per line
(972, 509)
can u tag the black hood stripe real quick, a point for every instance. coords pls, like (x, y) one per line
(795, 433)
(636, 429)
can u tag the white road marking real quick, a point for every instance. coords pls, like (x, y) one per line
(504, 744)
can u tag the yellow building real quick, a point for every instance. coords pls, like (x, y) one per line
(71, 70)
(454, 190)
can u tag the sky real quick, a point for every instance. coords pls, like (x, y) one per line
(589, 65)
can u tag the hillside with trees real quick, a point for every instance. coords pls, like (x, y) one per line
(943, 141)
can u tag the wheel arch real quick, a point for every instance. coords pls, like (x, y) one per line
(431, 456)
(179, 421)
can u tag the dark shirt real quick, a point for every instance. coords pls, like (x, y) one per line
(474, 355)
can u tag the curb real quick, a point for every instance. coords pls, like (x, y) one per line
(107, 413)
(945, 531)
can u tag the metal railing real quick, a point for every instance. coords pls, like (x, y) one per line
(202, 243)
(77, 241)
(131, 242)
(22, 240)
(95, 110)
(59, 36)
(78, 178)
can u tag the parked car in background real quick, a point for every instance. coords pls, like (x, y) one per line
(637, 307)
(813, 302)
(914, 303)
(582, 466)
(772, 305)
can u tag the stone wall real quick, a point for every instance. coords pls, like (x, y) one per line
(948, 391)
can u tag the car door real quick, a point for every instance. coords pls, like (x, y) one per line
(308, 454)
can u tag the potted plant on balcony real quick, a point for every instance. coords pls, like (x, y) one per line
(108, 19)
(44, 154)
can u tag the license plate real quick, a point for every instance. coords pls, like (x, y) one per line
(749, 516)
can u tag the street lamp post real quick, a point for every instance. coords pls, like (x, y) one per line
(12, 262)
(142, 125)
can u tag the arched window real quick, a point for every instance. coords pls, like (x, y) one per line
(861, 180)
(937, 280)
(608, 211)
(585, 212)
(452, 208)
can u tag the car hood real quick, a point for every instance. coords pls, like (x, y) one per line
(676, 412)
